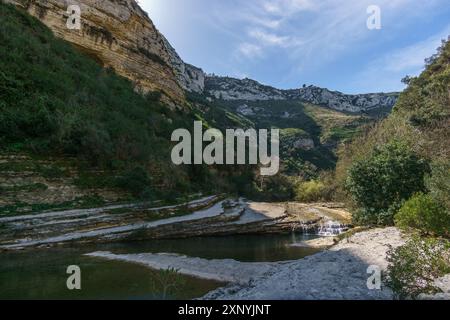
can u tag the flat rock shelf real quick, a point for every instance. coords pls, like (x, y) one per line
(207, 216)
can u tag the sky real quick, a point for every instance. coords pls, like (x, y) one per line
(288, 43)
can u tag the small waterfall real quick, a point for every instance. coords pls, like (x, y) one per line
(301, 225)
(331, 229)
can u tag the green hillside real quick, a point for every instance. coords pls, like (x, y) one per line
(420, 119)
(55, 101)
(298, 121)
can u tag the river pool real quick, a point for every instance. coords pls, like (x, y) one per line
(41, 273)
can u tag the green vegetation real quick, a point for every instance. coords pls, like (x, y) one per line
(137, 181)
(414, 267)
(166, 282)
(419, 119)
(297, 120)
(438, 183)
(56, 101)
(310, 191)
(407, 182)
(380, 183)
(423, 213)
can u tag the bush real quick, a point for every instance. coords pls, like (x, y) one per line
(310, 191)
(370, 216)
(137, 181)
(414, 267)
(380, 183)
(423, 213)
(438, 183)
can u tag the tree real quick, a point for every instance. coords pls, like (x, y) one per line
(382, 182)
(424, 213)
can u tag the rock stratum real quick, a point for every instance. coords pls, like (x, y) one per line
(120, 35)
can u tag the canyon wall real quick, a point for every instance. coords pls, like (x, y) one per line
(118, 34)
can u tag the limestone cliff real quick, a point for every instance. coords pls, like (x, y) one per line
(120, 35)
(189, 77)
(226, 88)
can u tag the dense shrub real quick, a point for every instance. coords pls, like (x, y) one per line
(414, 266)
(137, 181)
(438, 183)
(423, 213)
(310, 191)
(380, 183)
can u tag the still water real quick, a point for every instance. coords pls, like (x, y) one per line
(41, 274)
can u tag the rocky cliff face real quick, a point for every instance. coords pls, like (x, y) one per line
(119, 34)
(234, 89)
(189, 77)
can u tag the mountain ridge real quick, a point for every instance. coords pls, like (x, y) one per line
(121, 35)
(227, 88)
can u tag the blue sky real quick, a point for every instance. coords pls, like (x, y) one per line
(288, 43)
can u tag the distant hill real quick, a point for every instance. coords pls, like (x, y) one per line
(225, 88)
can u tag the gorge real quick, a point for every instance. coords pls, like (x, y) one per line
(88, 124)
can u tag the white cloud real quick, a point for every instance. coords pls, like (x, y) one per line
(315, 32)
(287, 7)
(267, 38)
(412, 57)
(250, 50)
(386, 72)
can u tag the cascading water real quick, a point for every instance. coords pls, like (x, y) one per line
(301, 225)
(331, 229)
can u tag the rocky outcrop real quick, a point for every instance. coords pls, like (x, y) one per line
(343, 102)
(189, 77)
(226, 88)
(118, 34)
(234, 89)
(135, 222)
(304, 144)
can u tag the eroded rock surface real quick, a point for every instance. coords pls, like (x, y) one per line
(120, 35)
(339, 273)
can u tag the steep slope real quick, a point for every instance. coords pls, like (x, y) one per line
(120, 35)
(310, 134)
(58, 103)
(421, 118)
(69, 126)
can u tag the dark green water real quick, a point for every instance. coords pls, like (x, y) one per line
(41, 274)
